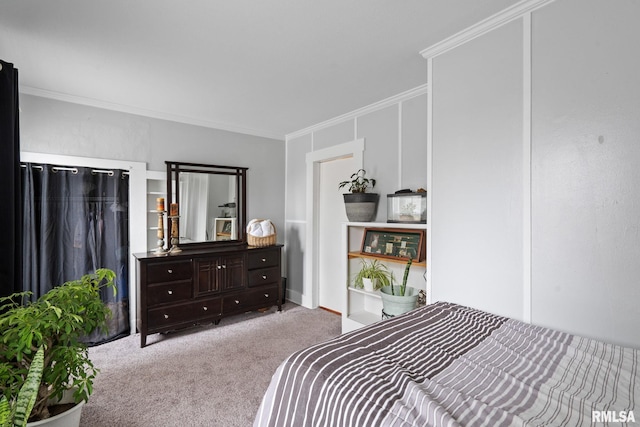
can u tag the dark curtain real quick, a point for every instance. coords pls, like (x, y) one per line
(10, 214)
(76, 221)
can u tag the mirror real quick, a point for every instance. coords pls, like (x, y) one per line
(211, 203)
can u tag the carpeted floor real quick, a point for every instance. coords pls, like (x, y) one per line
(205, 376)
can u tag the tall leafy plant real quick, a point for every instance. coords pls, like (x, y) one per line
(57, 321)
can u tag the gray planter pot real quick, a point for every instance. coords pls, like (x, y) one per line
(394, 305)
(361, 207)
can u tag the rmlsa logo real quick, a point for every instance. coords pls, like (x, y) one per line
(612, 417)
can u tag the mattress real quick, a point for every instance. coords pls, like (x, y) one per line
(448, 365)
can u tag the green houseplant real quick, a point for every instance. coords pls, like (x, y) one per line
(16, 412)
(398, 299)
(56, 321)
(373, 275)
(358, 182)
(360, 206)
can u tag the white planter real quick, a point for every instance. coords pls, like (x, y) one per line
(394, 305)
(369, 284)
(69, 418)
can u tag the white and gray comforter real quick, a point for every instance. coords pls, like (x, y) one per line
(449, 365)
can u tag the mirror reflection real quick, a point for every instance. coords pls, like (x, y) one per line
(207, 207)
(210, 201)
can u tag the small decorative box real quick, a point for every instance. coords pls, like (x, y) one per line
(410, 208)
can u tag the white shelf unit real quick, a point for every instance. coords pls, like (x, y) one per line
(156, 187)
(362, 307)
(224, 229)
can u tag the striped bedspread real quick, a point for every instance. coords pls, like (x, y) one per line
(448, 365)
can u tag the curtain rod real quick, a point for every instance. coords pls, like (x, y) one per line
(73, 170)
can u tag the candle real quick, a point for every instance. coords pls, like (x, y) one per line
(160, 204)
(173, 210)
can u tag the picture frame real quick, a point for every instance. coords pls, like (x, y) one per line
(394, 243)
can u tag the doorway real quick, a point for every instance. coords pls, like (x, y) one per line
(331, 216)
(335, 262)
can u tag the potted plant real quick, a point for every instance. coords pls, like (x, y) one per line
(398, 299)
(16, 412)
(57, 321)
(360, 205)
(373, 276)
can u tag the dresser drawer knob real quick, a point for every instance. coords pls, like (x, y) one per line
(170, 292)
(219, 267)
(237, 302)
(166, 316)
(170, 271)
(264, 277)
(224, 265)
(264, 260)
(205, 308)
(266, 295)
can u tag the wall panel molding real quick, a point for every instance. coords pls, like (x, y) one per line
(507, 15)
(403, 96)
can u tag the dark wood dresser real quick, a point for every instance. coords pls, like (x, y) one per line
(199, 286)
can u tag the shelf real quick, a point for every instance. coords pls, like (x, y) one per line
(397, 261)
(364, 307)
(363, 292)
(365, 317)
(387, 225)
(156, 188)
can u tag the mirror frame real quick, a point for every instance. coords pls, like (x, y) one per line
(173, 191)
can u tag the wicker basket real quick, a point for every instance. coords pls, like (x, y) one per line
(263, 241)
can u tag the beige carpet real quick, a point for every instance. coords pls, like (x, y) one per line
(205, 376)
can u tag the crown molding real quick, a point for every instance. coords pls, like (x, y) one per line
(403, 96)
(506, 15)
(145, 112)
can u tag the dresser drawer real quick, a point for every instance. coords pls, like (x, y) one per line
(255, 298)
(264, 276)
(168, 293)
(168, 271)
(164, 317)
(259, 258)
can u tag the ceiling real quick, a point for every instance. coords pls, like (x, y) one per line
(264, 68)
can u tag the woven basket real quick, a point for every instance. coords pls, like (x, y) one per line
(263, 241)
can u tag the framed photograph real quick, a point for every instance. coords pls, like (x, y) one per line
(394, 243)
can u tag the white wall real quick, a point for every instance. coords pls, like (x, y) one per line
(476, 257)
(534, 144)
(62, 128)
(586, 168)
(394, 133)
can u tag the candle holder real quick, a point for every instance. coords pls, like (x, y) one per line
(160, 250)
(174, 235)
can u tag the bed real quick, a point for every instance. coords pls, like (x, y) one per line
(448, 365)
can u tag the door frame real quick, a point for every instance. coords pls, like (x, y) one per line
(354, 149)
